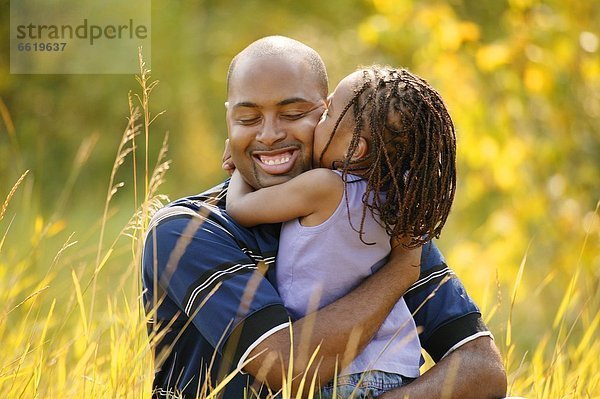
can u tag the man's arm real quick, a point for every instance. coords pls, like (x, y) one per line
(351, 320)
(472, 371)
(453, 333)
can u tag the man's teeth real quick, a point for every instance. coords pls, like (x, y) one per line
(276, 161)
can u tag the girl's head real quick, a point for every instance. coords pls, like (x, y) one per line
(392, 128)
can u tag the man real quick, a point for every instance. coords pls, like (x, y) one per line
(208, 285)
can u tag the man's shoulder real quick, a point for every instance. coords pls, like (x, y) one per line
(207, 204)
(205, 213)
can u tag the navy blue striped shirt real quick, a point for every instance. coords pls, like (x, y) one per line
(210, 296)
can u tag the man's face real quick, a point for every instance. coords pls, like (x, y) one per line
(273, 107)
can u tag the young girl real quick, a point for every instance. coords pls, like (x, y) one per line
(384, 158)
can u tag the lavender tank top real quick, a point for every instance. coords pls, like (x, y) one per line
(318, 264)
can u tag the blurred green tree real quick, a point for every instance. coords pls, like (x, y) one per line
(521, 78)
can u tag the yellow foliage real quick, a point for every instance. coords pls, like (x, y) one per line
(469, 31)
(590, 69)
(537, 79)
(473, 188)
(450, 35)
(507, 168)
(493, 56)
(369, 30)
(465, 254)
(433, 15)
(521, 80)
(522, 4)
(403, 7)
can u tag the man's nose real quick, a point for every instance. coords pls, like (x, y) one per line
(270, 132)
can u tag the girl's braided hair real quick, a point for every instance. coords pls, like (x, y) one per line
(410, 168)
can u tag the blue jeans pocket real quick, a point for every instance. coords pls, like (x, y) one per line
(365, 385)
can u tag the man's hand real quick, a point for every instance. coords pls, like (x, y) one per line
(228, 165)
(472, 371)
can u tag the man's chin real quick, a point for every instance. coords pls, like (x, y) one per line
(265, 180)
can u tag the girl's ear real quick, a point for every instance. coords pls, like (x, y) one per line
(362, 150)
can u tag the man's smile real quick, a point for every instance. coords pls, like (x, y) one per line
(276, 162)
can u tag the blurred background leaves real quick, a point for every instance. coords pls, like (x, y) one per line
(521, 79)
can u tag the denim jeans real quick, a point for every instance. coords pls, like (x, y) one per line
(367, 385)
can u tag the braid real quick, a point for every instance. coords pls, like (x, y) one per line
(411, 166)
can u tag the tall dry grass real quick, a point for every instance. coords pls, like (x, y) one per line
(70, 329)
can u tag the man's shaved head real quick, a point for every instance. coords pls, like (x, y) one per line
(283, 47)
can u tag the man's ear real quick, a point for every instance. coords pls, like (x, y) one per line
(226, 104)
(362, 150)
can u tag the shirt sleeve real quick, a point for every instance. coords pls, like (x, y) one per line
(216, 279)
(443, 311)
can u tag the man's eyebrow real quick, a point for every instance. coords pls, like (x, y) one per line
(246, 104)
(287, 101)
(294, 100)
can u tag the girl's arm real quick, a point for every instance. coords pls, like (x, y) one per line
(313, 195)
